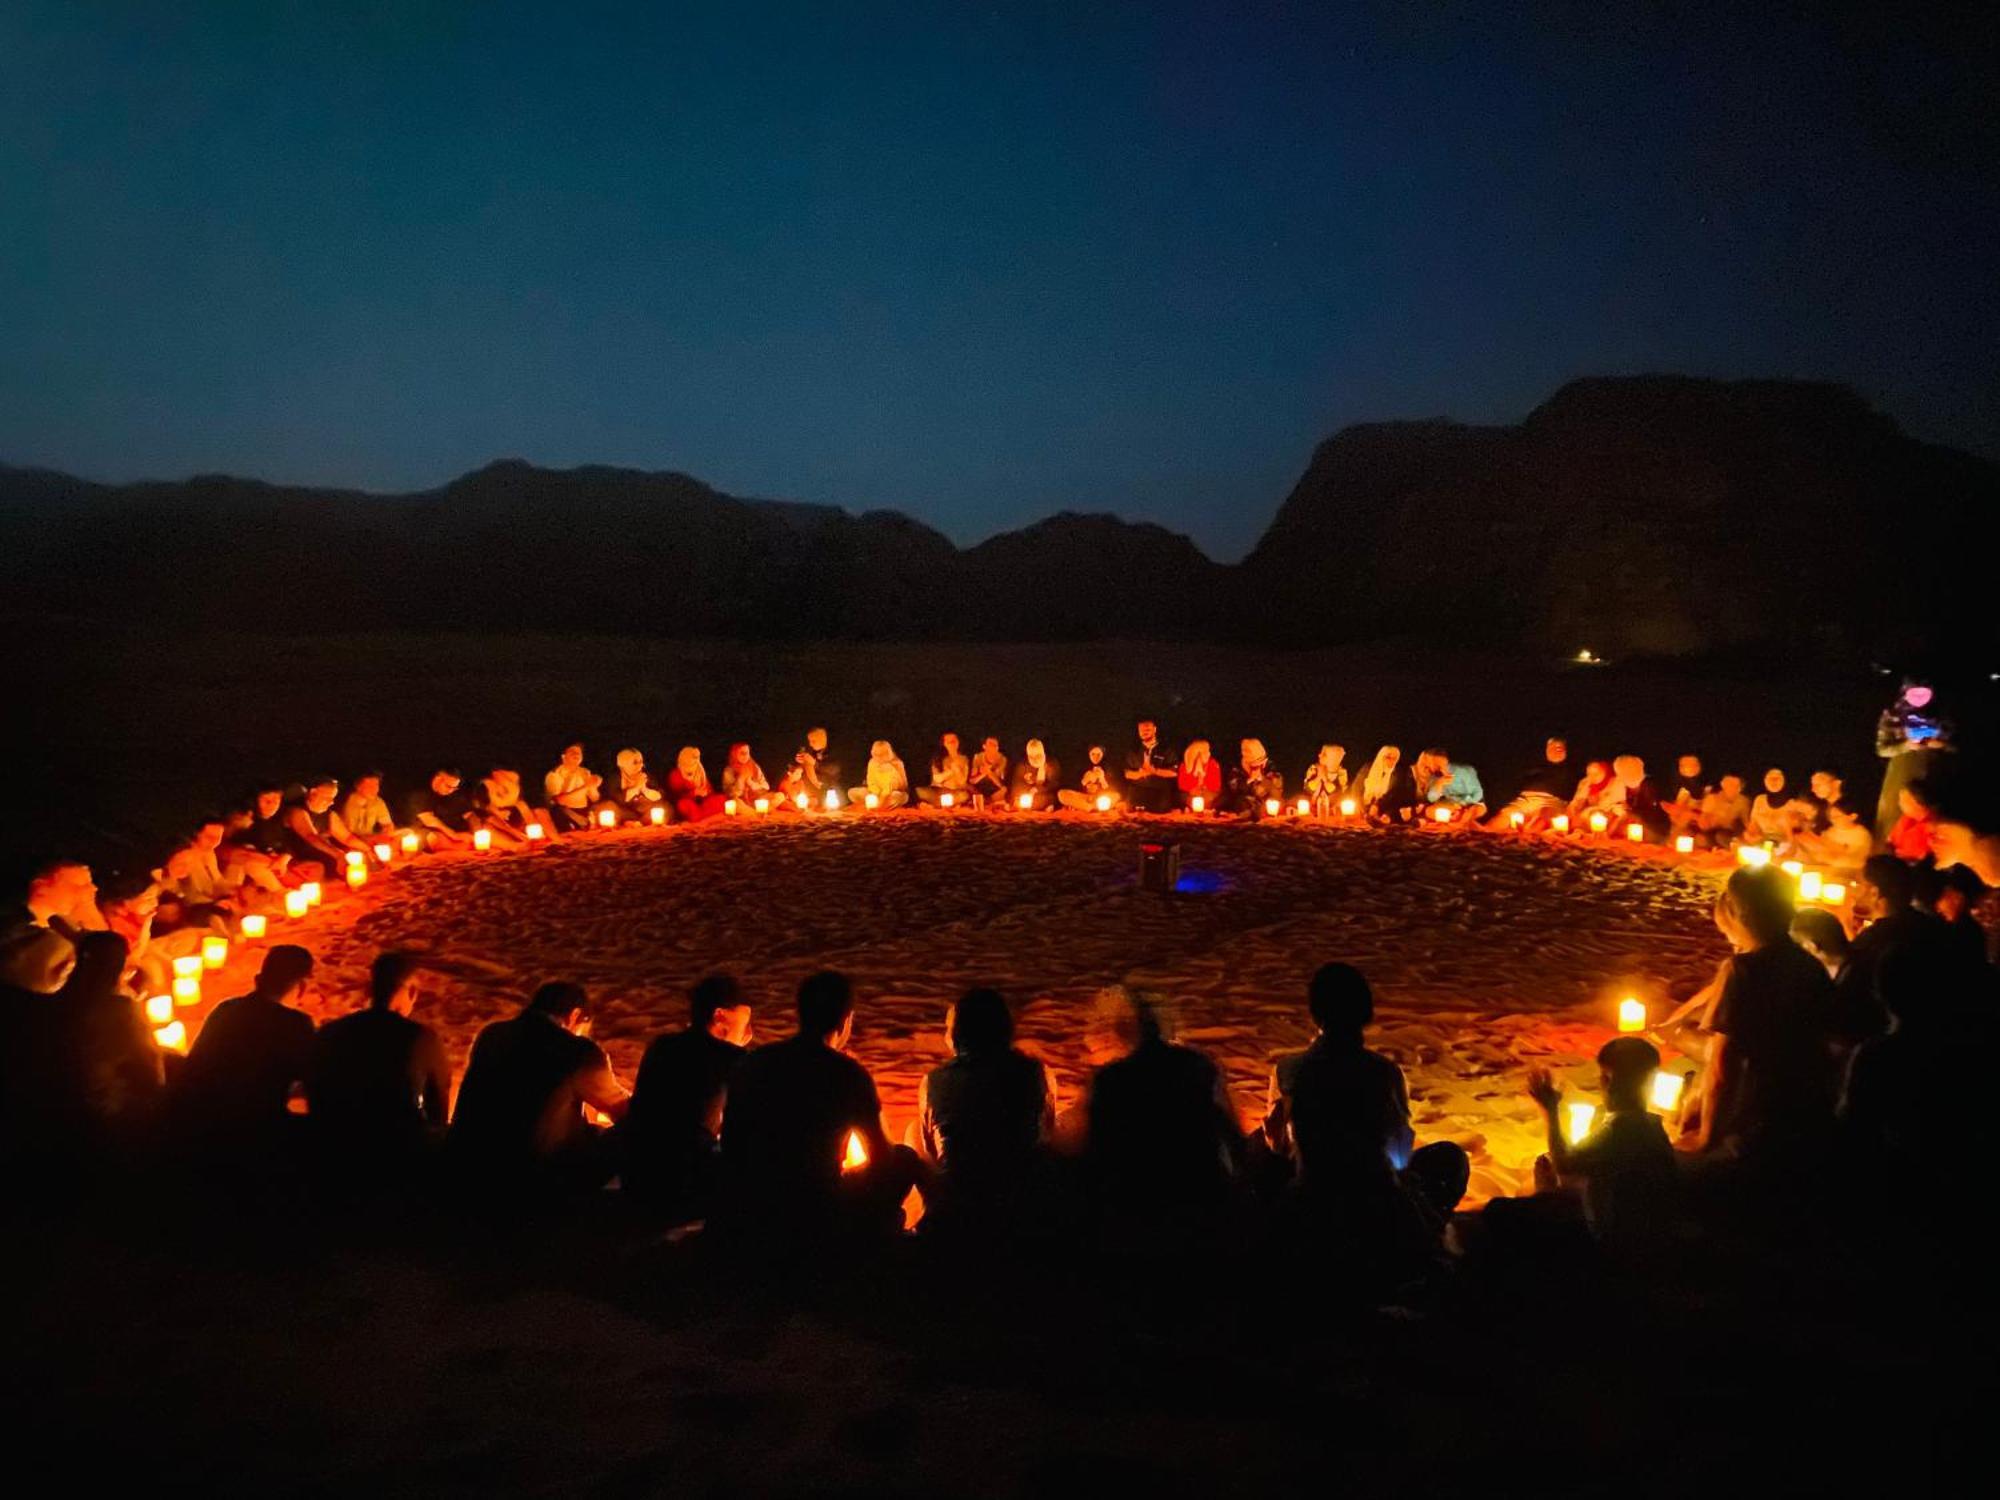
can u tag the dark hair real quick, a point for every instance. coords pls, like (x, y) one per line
(981, 1022)
(1763, 901)
(558, 998)
(124, 885)
(1626, 1060)
(1894, 879)
(1917, 981)
(320, 781)
(1822, 929)
(284, 966)
(452, 771)
(100, 964)
(361, 776)
(389, 973)
(1340, 999)
(716, 992)
(826, 999)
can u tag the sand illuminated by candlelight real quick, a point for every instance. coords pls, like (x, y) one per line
(1486, 954)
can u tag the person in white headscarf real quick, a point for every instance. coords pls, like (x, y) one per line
(1036, 777)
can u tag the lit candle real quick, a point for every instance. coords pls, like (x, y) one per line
(1196, 804)
(356, 857)
(872, 800)
(411, 843)
(295, 903)
(1026, 802)
(607, 818)
(762, 804)
(1636, 832)
(188, 966)
(1833, 893)
(214, 951)
(1304, 807)
(160, 1009)
(386, 852)
(356, 877)
(187, 991)
(253, 924)
(1104, 802)
(800, 800)
(1793, 868)
(1440, 815)
(832, 799)
(1812, 885)
(656, 815)
(314, 893)
(1560, 823)
(172, 1037)
(1347, 807)
(535, 832)
(1272, 807)
(1580, 1115)
(1599, 822)
(1516, 820)
(1665, 1093)
(729, 807)
(1631, 1014)
(482, 839)
(944, 799)
(855, 1156)
(1684, 844)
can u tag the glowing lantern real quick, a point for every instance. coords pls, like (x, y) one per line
(188, 966)
(1104, 802)
(187, 991)
(411, 843)
(1347, 807)
(1636, 832)
(295, 903)
(1631, 1014)
(872, 801)
(762, 804)
(1684, 844)
(1753, 856)
(729, 807)
(656, 815)
(1580, 1117)
(832, 799)
(1560, 823)
(855, 1157)
(1272, 807)
(1303, 807)
(356, 877)
(1197, 804)
(386, 852)
(172, 1037)
(1811, 886)
(160, 1009)
(1833, 893)
(1599, 822)
(214, 951)
(1026, 802)
(607, 818)
(535, 833)
(944, 799)
(314, 892)
(592, 1115)
(800, 801)
(253, 925)
(482, 839)
(1517, 821)
(1665, 1094)
(1793, 868)
(1440, 815)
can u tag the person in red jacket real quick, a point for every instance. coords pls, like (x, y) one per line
(1911, 837)
(688, 785)
(1200, 776)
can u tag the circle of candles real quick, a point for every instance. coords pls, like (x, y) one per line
(386, 852)
(832, 799)
(1665, 1094)
(314, 892)
(1026, 801)
(1440, 815)
(1631, 1014)
(214, 951)
(482, 839)
(411, 843)
(1304, 807)
(295, 903)
(872, 800)
(356, 877)
(606, 818)
(1516, 820)
(1560, 823)
(1599, 822)
(1684, 844)
(1636, 832)
(253, 924)
(160, 1009)
(187, 966)
(656, 815)
(172, 1037)
(1272, 807)
(1197, 804)
(944, 799)
(187, 991)
(535, 832)
(762, 804)
(1104, 802)
(1580, 1115)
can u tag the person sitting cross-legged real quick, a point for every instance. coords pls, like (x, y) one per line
(379, 1085)
(984, 1118)
(1625, 1164)
(673, 1131)
(234, 1095)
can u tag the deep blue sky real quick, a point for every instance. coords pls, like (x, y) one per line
(976, 263)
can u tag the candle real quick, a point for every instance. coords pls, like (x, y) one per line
(187, 990)
(214, 951)
(1599, 822)
(1833, 893)
(411, 843)
(172, 1037)
(160, 1009)
(1684, 844)
(1304, 807)
(607, 817)
(314, 893)
(656, 815)
(1104, 802)
(355, 857)
(729, 807)
(1440, 815)
(1560, 823)
(800, 800)
(1196, 804)
(386, 852)
(944, 799)
(1631, 1014)
(1636, 832)
(1665, 1093)
(855, 1156)
(1754, 856)
(1791, 867)
(535, 832)
(1516, 820)
(253, 924)
(1347, 807)
(762, 804)
(1272, 807)
(482, 839)
(356, 877)
(1580, 1115)
(1812, 885)
(872, 800)
(188, 966)
(832, 799)
(1026, 801)
(295, 903)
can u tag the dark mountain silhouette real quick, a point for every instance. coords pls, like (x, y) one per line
(1651, 514)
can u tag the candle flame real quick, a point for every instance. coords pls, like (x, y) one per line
(855, 1157)
(160, 1009)
(1272, 807)
(1196, 804)
(1684, 844)
(1347, 807)
(1580, 1115)
(172, 1037)
(482, 838)
(656, 815)
(1103, 802)
(1665, 1093)
(253, 925)
(1631, 1014)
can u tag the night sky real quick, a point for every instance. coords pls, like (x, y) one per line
(975, 263)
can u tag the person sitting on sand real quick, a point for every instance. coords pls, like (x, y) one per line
(1906, 1113)
(1632, 799)
(316, 826)
(1200, 776)
(951, 774)
(269, 832)
(501, 808)
(1326, 780)
(1843, 843)
(1819, 932)
(1387, 792)
(673, 1130)
(1724, 813)
(636, 793)
(803, 1151)
(1682, 801)
(983, 1119)
(252, 1055)
(363, 811)
(743, 779)
(218, 871)
(62, 896)
(572, 788)
(1910, 837)
(694, 798)
(1093, 787)
(190, 890)
(821, 770)
(988, 782)
(1774, 817)
(379, 1084)
(1252, 783)
(1592, 789)
(1036, 778)
(441, 812)
(1950, 896)
(1544, 792)
(1884, 898)
(887, 782)
(1150, 771)
(520, 1121)
(1455, 785)
(110, 1069)
(1625, 1166)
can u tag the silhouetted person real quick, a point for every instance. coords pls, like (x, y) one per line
(113, 1067)
(984, 1117)
(1625, 1164)
(1885, 892)
(380, 1084)
(793, 1107)
(673, 1131)
(253, 1051)
(1908, 1111)
(519, 1126)
(35, 963)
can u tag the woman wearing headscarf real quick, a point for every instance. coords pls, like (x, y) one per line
(694, 798)
(636, 792)
(1200, 776)
(951, 774)
(1095, 783)
(1253, 782)
(888, 783)
(743, 779)
(1326, 780)
(1035, 779)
